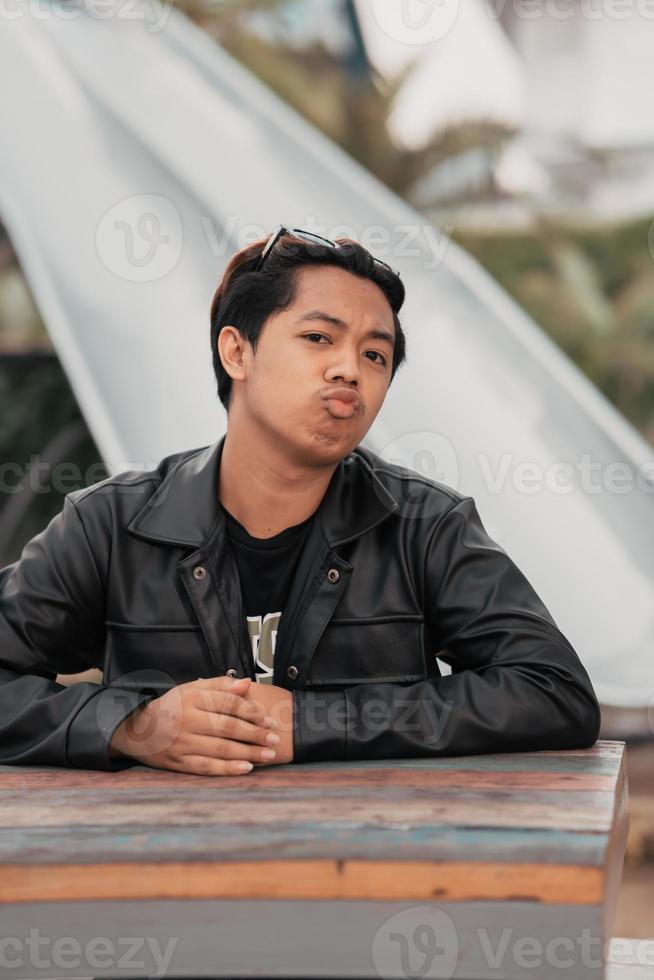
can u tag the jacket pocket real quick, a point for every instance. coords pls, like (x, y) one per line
(157, 657)
(360, 651)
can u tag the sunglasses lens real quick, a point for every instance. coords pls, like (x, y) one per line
(310, 237)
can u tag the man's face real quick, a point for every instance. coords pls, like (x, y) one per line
(302, 356)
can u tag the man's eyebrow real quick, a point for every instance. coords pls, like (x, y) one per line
(375, 334)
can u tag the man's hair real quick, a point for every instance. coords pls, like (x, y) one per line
(245, 298)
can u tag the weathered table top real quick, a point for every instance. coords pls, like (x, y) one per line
(468, 846)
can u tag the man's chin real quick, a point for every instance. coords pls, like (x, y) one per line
(327, 445)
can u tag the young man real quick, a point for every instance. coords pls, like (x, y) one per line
(284, 555)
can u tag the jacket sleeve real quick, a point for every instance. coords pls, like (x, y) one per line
(52, 621)
(516, 685)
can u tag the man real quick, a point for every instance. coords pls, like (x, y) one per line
(284, 555)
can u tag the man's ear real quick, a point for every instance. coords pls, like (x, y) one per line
(231, 350)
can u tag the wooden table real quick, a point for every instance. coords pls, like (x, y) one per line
(502, 866)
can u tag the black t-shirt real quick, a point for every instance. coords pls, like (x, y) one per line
(265, 567)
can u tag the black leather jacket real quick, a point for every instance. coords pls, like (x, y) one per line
(133, 576)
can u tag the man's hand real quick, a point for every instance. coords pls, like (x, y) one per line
(208, 727)
(277, 703)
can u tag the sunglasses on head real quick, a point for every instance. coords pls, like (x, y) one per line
(312, 239)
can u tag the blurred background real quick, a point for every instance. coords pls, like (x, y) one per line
(515, 138)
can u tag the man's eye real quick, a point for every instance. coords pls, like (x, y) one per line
(321, 336)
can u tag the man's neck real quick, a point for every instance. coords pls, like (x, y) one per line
(265, 493)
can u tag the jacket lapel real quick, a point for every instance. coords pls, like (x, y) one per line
(184, 508)
(185, 511)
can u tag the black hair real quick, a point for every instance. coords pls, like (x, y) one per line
(246, 298)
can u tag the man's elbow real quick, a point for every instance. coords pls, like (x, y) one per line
(580, 713)
(586, 723)
(573, 719)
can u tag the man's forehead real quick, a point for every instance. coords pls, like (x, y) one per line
(323, 291)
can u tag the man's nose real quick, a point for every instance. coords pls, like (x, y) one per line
(346, 366)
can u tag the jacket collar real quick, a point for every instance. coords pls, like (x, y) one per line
(184, 509)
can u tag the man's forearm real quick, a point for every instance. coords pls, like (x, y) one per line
(501, 709)
(74, 730)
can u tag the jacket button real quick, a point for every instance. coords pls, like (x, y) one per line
(292, 673)
(232, 672)
(199, 572)
(333, 575)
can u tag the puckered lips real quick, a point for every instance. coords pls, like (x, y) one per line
(342, 403)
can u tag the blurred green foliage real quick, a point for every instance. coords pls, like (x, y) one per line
(351, 108)
(38, 414)
(592, 290)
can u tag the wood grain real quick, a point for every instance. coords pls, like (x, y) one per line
(381, 880)
(533, 827)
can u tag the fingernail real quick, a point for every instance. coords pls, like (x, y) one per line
(272, 739)
(245, 766)
(268, 753)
